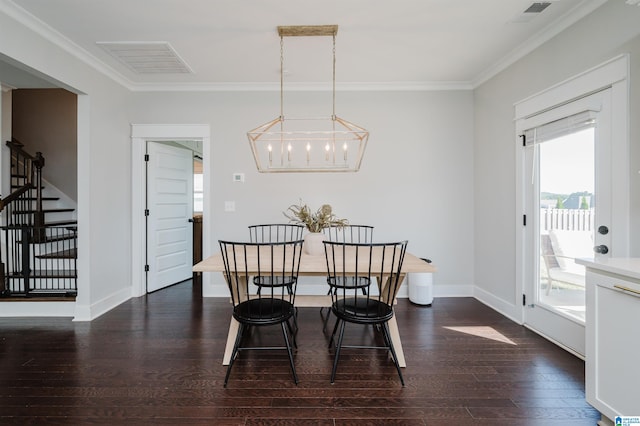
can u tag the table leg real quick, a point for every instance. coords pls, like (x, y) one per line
(395, 339)
(231, 340)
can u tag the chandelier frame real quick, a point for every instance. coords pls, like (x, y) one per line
(329, 144)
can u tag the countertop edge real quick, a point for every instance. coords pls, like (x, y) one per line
(626, 266)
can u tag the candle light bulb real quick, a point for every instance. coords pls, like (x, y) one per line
(270, 148)
(326, 151)
(344, 147)
(308, 151)
(289, 152)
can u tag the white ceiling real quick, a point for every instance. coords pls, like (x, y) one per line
(235, 42)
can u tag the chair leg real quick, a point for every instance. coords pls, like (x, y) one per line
(234, 353)
(335, 361)
(389, 343)
(335, 328)
(293, 334)
(286, 341)
(326, 319)
(329, 309)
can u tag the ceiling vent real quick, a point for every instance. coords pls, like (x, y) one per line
(531, 12)
(147, 57)
(537, 7)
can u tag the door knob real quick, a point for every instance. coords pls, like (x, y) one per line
(603, 230)
(602, 249)
(190, 220)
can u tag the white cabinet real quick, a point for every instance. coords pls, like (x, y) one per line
(613, 336)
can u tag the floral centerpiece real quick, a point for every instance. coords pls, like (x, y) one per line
(315, 222)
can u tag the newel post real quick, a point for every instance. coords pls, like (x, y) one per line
(38, 215)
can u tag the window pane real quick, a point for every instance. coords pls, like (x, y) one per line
(198, 194)
(566, 220)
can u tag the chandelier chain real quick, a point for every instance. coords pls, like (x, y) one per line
(333, 116)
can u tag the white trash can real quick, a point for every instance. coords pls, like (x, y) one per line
(421, 287)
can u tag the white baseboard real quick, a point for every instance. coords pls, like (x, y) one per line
(510, 310)
(37, 309)
(91, 312)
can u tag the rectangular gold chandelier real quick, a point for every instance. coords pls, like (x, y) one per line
(286, 145)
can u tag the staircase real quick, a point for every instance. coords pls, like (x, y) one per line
(38, 237)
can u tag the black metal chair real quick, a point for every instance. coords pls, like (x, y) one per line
(279, 263)
(350, 233)
(273, 233)
(375, 268)
(347, 234)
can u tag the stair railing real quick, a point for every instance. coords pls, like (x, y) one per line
(25, 196)
(26, 177)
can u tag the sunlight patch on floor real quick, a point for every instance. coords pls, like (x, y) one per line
(483, 331)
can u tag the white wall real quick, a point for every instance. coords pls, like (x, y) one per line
(609, 31)
(415, 182)
(424, 177)
(104, 165)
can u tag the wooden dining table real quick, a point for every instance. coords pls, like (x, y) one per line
(317, 266)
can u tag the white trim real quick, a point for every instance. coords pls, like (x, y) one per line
(93, 311)
(610, 74)
(509, 310)
(37, 309)
(544, 35)
(405, 86)
(554, 341)
(83, 213)
(140, 133)
(590, 81)
(46, 31)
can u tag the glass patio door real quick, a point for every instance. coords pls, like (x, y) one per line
(567, 156)
(566, 199)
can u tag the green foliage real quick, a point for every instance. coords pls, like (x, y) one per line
(583, 203)
(560, 204)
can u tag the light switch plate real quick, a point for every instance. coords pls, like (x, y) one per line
(229, 206)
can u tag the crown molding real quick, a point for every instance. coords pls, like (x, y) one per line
(545, 34)
(416, 86)
(44, 30)
(41, 28)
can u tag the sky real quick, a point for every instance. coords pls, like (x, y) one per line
(567, 163)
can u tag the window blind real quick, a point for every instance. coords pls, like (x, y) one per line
(561, 127)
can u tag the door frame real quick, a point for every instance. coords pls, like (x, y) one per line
(140, 134)
(614, 74)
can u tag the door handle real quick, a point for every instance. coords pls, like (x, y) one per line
(602, 249)
(603, 230)
(190, 220)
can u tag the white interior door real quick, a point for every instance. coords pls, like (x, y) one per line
(170, 211)
(568, 212)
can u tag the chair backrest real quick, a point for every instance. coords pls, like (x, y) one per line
(279, 262)
(275, 233)
(350, 233)
(374, 267)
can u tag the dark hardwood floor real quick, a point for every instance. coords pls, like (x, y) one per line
(156, 360)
